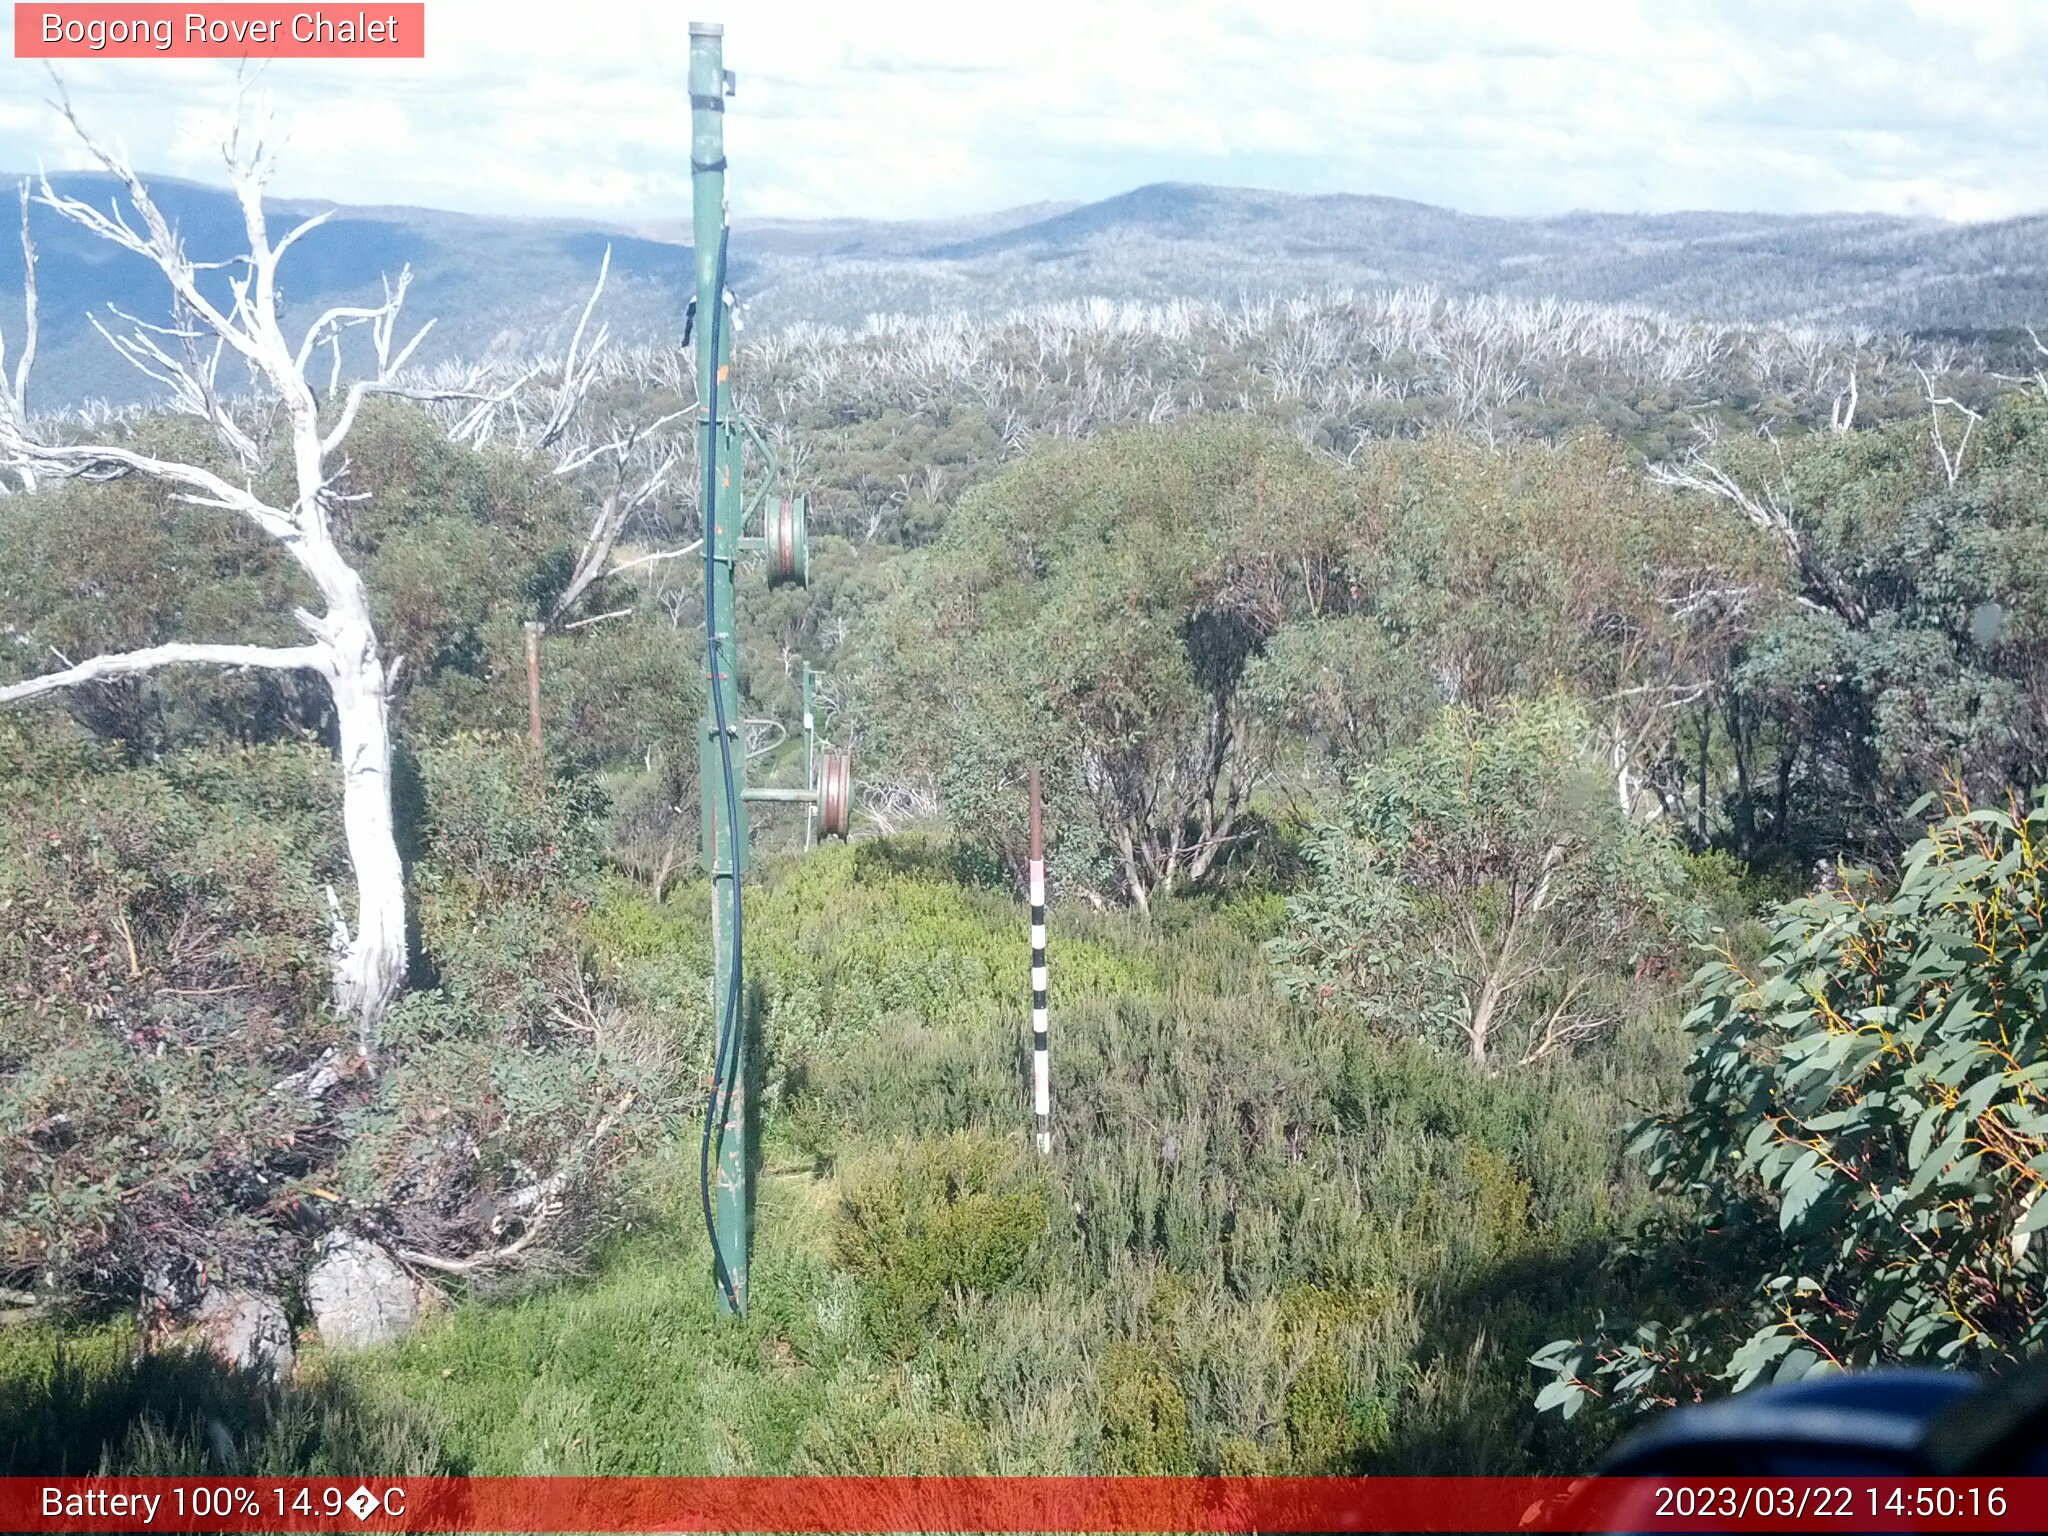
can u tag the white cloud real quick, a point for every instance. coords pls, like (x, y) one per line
(910, 107)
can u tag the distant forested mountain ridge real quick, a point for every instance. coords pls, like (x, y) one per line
(499, 285)
(490, 285)
(1171, 240)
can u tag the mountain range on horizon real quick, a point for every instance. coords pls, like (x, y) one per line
(510, 285)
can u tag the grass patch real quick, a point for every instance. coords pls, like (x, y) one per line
(1259, 1245)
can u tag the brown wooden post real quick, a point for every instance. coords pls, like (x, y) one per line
(533, 629)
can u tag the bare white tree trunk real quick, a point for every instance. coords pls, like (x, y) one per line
(369, 957)
(370, 963)
(369, 960)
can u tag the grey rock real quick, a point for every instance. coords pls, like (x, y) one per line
(246, 1329)
(358, 1294)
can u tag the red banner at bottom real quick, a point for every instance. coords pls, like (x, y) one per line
(1063, 1504)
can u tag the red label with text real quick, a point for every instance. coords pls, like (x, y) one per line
(258, 31)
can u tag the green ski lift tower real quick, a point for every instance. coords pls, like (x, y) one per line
(722, 436)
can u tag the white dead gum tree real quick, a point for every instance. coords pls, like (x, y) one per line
(282, 414)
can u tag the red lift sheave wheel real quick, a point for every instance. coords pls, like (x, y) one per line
(786, 538)
(835, 795)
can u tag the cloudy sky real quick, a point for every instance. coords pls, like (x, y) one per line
(899, 108)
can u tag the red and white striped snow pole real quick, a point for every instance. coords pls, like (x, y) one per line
(1041, 1047)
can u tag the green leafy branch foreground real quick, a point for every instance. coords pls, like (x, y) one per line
(1860, 1156)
